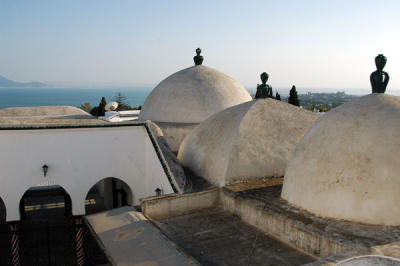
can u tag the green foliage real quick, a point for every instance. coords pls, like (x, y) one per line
(86, 107)
(120, 98)
(94, 111)
(278, 96)
(293, 97)
(102, 105)
(319, 107)
(99, 110)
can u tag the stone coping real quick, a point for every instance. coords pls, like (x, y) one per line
(78, 124)
(347, 235)
(176, 124)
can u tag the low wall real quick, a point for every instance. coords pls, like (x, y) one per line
(178, 204)
(273, 217)
(280, 227)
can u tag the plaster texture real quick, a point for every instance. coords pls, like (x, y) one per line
(218, 237)
(264, 209)
(347, 165)
(42, 111)
(77, 159)
(173, 205)
(130, 239)
(169, 156)
(175, 133)
(251, 140)
(46, 115)
(192, 95)
(370, 260)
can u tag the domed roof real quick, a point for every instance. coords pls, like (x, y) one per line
(251, 140)
(192, 95)
(42, 111)
(347, 165)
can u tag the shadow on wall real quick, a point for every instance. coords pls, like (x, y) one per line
(107, 194)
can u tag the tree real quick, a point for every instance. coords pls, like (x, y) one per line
(86, 107)
(121, 100)
(99, 110)
(102, 107)
(278, 97)
(293, 97)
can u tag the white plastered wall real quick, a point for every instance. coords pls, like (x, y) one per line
(77, 159)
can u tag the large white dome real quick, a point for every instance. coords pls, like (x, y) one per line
(251, 140)
(192, 95)
(348, 165)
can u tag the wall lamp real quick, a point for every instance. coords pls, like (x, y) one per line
(45, 168)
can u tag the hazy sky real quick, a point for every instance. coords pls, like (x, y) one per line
(317, 44)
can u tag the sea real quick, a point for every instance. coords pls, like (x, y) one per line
(28, 97)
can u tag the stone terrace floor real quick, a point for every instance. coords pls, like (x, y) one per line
(216, 237)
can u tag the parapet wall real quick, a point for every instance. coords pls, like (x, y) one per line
(179, 204)
(328, 241)
(277, 225)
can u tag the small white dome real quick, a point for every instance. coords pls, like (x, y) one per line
(111, 106)
(251, 140)
(348, 165)
(192, 95)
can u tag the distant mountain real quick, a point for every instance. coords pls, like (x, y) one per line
(6, 83)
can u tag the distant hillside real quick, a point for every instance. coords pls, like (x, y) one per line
(6, 83)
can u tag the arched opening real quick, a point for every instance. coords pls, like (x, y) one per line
(3, 212)
(39, 202)
(4, 234)
(46, 232)
(109, 193)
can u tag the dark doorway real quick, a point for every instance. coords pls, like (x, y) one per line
(47, 233)
(46, 227)
(4, 236)
(107, 194)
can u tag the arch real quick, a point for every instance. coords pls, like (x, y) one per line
(108, 193)
(28, 202)
(3, 211)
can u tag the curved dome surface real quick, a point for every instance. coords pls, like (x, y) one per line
(192, 95)
(251, 140)
(348, 165)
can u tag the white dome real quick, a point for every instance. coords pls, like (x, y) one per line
(348, 165)
(111, 106)
(192, 95)
(251, 140)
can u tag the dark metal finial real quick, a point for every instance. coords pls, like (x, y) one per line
(379, 78)
(198, 59)
(264, 90)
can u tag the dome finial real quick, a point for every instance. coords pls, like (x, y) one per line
(379, 78)
(264, 90)
(198, 59)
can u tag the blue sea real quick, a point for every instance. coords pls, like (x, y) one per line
(26, 97)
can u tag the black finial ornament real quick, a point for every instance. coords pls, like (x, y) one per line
(264, 90)
(379, 78)
(198, 59)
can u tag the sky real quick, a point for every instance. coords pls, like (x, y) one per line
(311, 44)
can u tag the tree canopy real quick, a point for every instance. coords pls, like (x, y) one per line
(293, 97)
